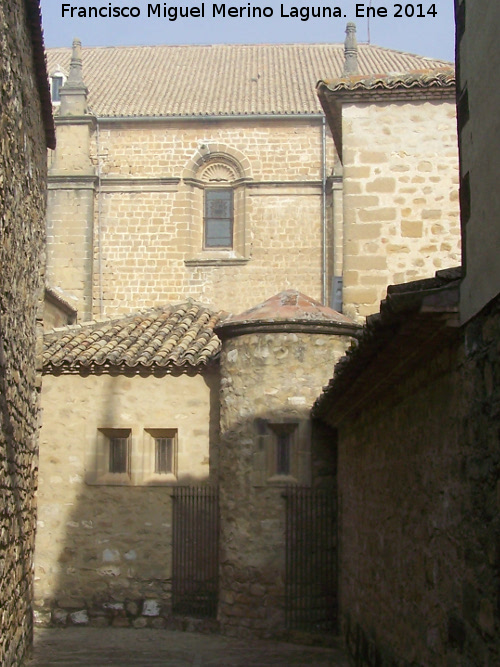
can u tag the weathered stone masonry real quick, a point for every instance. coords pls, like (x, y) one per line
(23, 139)
(418, 469)
(271, 370)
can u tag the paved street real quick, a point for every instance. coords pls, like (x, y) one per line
(118, 647)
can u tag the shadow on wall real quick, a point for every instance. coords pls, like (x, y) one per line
(17, 520)
(105, 555)
(278, 526)
(104, 550)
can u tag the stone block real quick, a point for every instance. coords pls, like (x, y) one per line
(80, 617)
(132, 608)
(151, 608)
(364, 231)
(372, 157)
(120, 622)
(412, 228)
(59, 616)
(367, 263)
(361, 294)
(377, 215)
(99, 622)
(382, 185)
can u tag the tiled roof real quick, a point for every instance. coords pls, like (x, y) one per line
(421, 78)
(288, 311)
(414, 319)
(174, 336)
(221, 79)
(34, 20)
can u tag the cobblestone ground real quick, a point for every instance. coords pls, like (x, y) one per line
(118, 647)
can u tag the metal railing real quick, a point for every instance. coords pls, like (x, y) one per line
(311, 560)
(195, 551)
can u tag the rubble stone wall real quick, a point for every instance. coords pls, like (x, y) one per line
(400, 503)
(419, 506)
(266, 379)
(22, 233)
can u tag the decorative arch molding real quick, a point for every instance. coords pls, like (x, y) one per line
(217, 154)
(217, 171)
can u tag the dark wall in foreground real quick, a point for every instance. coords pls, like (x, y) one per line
(22, 203)
(419, 505)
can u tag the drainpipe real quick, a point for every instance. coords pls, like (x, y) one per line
(99, 210)
(323, 213)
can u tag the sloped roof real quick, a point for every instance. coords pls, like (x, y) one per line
(419, 84)
(289, 310)
(180, 336)
(221, 79)
(421, 78)
(414, 319)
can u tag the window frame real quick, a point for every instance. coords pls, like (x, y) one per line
(168, 468)
(215, 166)
(206, 192)
(99, 470)
(55, 90)
(150, 475)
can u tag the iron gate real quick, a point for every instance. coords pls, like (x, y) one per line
(195, 551)
(311, 560)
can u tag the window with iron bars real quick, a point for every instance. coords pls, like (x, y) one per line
(119, 454)
(164, 456)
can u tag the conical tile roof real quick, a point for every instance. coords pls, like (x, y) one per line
(288, 310)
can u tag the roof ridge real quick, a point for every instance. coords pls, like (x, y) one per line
(92, 324)
(218, 80)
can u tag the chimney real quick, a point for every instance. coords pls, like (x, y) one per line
(350, 51)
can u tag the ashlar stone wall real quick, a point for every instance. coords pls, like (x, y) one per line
(22, 204)
(104, 541)
(401, 213)
(146, 224)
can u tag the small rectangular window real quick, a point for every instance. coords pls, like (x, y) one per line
(164, 456)
(219, 218)
(57, 83)
(283, 458)
(160, 456)
(283, 446)
(118, 455)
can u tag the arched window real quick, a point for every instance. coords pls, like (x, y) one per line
(218, 179)
(218, 204)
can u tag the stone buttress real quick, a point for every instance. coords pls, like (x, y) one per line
(71, 188)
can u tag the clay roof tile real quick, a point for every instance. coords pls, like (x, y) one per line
(181, 335)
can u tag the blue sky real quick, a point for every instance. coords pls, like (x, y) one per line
(429, 35)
